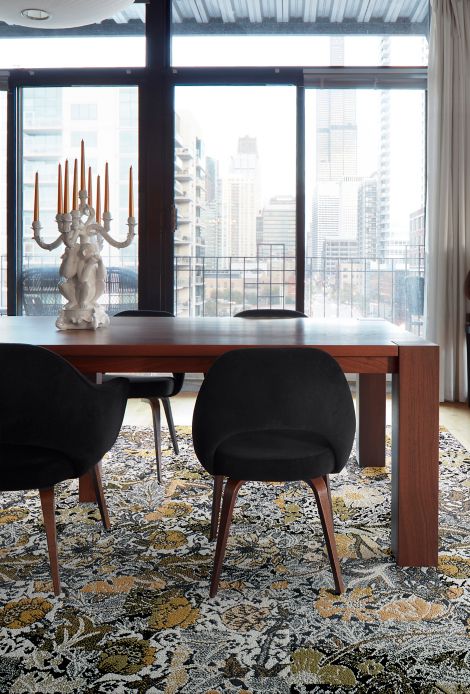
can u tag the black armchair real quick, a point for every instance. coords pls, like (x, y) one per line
(273, 414)
(54, 425)
(154, 389)
(270, 313)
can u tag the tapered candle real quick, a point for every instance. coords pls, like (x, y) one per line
(106, 188)
(82, 166)
(98, 200)
(90, 188)
(66, 186)
(75, 187)
(131, 194)
(36, 198)
(59, 191)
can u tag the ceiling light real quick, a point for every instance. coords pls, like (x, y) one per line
(60, 14)
(37, 15)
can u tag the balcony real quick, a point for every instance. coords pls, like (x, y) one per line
(389, 288)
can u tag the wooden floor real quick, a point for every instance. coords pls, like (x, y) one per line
(454, 416)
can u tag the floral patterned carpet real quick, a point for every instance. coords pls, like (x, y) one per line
(135, 615)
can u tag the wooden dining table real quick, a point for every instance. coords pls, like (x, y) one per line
(371, 348)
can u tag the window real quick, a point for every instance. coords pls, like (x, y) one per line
(365, 187)
(43, 148)
(235, 196)
(84, 111)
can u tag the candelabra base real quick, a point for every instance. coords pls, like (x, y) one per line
(82, 318)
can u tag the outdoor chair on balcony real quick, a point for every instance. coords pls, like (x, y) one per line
(153, 389)
(42, 298)
(270, 313)
(273, 415)
(55, 425)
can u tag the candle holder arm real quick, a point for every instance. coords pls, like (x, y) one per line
(37, 237)
(103, 231)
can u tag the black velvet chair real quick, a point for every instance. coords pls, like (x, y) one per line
(54, 425)
(154, 389)
(270, 313)
(273, 414)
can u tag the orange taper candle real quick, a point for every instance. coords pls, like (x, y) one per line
(90, 188)
(106, 188)
(82, 166)
(36, 198)
(75, 187)
(66, 186)
(98, 200)
(131, 194)
(59, 190)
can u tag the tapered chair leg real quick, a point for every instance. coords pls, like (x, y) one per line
(230, 496)
(328, 488)
(171, 425)
(48, 514)
(100, 498)
(216, 499)
(325, 511)
(155, 405)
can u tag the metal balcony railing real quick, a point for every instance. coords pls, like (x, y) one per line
(335, 287)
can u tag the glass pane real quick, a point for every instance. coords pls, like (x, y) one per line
(297, 33)
(108, 125)
(235, 197)
(118, 42)
(365, 204)
(3, 202)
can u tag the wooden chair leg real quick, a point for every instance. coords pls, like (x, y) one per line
(326, 478)
(48, 514)
(230, 496)
(100, 498)
(171, 425)
(325, 511)
(216, 499)
(155, 405)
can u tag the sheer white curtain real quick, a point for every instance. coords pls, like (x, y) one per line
(448, 239)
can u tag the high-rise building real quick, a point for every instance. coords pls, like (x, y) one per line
(190, 199)
(241, 199)
(276, 225)
(335, 194)
(367, 218)
(55, 120)
(215, 242)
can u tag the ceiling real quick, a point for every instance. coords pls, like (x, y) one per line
(264, 17)
(299, 12)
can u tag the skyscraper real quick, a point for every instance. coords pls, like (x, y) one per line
(241, 199)
(335, 192)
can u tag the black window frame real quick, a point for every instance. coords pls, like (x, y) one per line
(156, 83)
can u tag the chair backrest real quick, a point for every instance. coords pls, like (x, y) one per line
(274, 388)
(270, 313)
(46, 402)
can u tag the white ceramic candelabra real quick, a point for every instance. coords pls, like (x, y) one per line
(82, 270)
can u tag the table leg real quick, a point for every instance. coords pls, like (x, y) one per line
(415, 456)
(371, 415)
